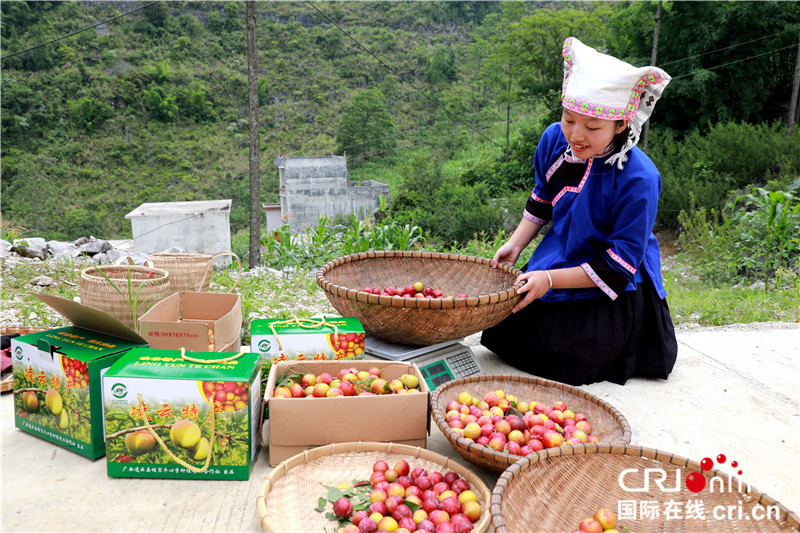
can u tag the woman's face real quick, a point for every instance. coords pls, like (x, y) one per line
(588, 136)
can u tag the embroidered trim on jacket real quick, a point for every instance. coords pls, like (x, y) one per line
(624, 264)
(598, 281)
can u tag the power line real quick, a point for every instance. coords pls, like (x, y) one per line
(734, 62)
(78, 31)
(379, 60)
(726, 47)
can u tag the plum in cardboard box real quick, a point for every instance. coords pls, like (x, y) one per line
(195, 321)
(57, 376)
(298, 424)
(205, 408)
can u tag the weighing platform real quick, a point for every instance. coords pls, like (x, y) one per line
(438, 363)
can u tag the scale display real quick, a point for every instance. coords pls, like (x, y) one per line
(446, 368)
(438, 363)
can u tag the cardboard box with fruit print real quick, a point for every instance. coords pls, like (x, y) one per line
(306, 339)
(176, 414)
(299, 423)
(57, 376)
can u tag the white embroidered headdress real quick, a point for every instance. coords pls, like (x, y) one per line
(601, 86)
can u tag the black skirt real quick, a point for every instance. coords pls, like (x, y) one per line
(590, 340)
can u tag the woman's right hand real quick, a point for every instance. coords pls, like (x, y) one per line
(506, 254)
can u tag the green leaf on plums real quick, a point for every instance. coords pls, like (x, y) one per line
(321, 503)
(285, 378)
(513, 411)
(411, 505)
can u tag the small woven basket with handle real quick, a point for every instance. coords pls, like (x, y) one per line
(554, 490)
(129, 291)
(420, 321)
(290, 493)
(190, 272)
(607, 423)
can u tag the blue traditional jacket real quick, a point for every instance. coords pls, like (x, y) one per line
(602, 218)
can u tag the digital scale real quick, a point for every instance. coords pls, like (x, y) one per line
(438, 363)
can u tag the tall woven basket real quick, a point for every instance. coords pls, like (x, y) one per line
(190, 272)
(127, 294)
(421, 321)
(647, 488)
(291, 491)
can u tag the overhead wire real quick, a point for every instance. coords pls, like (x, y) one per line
(725, 48)
(79, 31)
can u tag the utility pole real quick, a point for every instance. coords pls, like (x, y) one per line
(508, 112)
(255, 182)
(653, 55)
(795, 90)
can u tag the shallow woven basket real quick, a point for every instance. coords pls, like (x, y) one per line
(607, 423)
(289, 494)
(575, 481)
(421, 321)
(190, 272)
(148, 285)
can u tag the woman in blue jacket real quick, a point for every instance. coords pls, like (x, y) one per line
(593, 305)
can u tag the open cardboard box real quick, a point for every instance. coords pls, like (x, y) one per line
(196, 321)
(57, 375)
(298, 424)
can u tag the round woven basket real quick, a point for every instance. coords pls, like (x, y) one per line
(142, 286)
(420, 321)
(607, 423)
(575, 481)
(7, 383)
(289, 494)
(19, 330)
(190, 272)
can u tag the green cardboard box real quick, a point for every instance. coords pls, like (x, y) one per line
(204, 408)
(305, 339)
(57, 375)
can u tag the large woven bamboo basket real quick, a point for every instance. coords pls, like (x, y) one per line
(421, 321)
(556, 489)
(607, 422)
(289, 494)
(142, 286)
(190, 272)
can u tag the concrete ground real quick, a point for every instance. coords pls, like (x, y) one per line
(735, 390)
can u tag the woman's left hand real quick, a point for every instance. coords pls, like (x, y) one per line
(536, 285)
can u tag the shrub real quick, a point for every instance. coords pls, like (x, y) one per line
(756, 236)
(709, 166)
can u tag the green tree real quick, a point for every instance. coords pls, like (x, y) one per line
(88, 113)
(160, 104)
(366, 127)
(720, 71)
(156, 13)
(441, 67)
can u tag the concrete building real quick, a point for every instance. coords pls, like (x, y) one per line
(314, 187)
(201, 227)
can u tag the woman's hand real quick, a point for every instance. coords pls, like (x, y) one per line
(536, 285)
(506, 254)
(510, 251)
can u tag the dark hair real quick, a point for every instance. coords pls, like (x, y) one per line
(621, 138)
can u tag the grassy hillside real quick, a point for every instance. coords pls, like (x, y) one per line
(153, 106)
